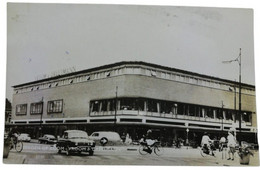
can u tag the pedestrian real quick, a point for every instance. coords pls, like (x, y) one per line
(222, 143)
(231, 144)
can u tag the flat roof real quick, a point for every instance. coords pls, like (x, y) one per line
(132, 63)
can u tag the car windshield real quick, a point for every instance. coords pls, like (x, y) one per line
(82, 135)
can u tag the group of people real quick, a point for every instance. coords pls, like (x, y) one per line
(230, 142)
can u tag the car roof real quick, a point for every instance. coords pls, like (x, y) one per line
(105, 132)
(47, 135)
(74, 131)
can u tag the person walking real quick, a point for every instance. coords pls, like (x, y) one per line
(231, 144)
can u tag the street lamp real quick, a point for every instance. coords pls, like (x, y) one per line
(238, 59)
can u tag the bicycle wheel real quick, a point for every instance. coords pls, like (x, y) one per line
(158, 150)
(19, 146)
(143, 150)
(202, 152)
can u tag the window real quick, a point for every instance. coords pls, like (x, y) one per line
(229, 115)
(192, 110)
(128, 104)
(55, 106)
(36, 108)
(95, 135)
(180, 109)
(107, 74)
(152, 106)
(87, 77)
(219, 114)
(95, 106)
(21, 109)
(209, 113)
(166, 107)
(246, 116)
(153, 73)
(104, 106)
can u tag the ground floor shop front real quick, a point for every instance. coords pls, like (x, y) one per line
(166, 134)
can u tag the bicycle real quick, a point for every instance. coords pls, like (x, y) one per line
(205, 151)
(16, 144)
(144, 149)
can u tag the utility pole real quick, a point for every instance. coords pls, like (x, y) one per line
(222, 106)
(40, 129)
(240, 134)
(238, 59)
(115, 110)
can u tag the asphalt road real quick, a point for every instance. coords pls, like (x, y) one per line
(34, 153)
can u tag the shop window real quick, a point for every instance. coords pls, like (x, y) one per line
(21, 109)
(55, 106)
(36, 108)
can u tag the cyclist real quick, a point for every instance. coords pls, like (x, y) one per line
(148, 139)
(13, 134)
(205, 143)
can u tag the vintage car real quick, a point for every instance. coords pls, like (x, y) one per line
(106, 138)
(24, 137)
(75, 141)
(48, 139)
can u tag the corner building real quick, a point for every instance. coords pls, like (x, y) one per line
(132, 97)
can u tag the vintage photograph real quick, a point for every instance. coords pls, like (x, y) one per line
(96, 84)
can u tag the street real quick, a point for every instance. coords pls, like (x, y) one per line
(34, 153)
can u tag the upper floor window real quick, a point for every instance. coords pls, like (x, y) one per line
(55, 106)
(36, 108)
(21, 109)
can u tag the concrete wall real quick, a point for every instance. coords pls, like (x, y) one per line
(76, 97)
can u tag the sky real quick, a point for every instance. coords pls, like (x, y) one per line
(46, 38)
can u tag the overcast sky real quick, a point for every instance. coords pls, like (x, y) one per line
(43, 38)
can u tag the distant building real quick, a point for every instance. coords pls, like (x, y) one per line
(139, 96)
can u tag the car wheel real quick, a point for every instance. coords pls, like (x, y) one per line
(67, 150)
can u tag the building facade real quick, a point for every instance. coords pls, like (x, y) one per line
(131, 97)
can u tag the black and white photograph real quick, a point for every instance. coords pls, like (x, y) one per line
(123, 84)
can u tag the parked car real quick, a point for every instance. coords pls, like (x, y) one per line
(48, 139)
(75, 141)
(24, 137)
(106, 137)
